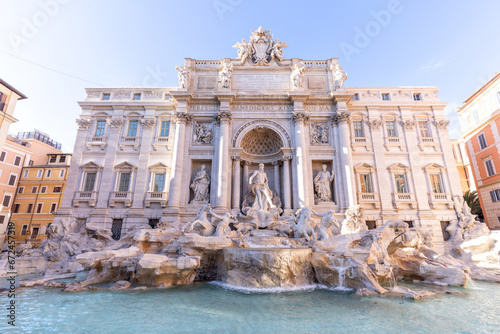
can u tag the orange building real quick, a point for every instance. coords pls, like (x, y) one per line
(480, 121)
(39, 195)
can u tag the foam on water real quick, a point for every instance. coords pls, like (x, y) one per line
(265, 290)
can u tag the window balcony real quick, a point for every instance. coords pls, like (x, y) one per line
(120, 197)
(369, 199)
(360, 142)
(156, 197)
(89, 197)
(401, 200)
(162, 142)
(437, 199)
(393, 142)
(97, 141)
(427, 142)
(130, 141)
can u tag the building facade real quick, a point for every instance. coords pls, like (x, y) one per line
(144, 156)
(480, 121)
(39, 195)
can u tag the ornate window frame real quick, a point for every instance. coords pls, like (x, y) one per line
(400, 199)
(390, 141)
(443, 197)
(168, 141)
(133, 141)
(423, 142)
(371, 199)
(100, 141)
(90, 197)
(116, 195)
(157, 196)
(357, 142)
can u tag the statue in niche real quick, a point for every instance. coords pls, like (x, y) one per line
(319, 134)
(260, 188)
(183, 76)
(339, 76)
(202, 134)
(297, 74)
(200, 186)
(225, 75)
(322, 187)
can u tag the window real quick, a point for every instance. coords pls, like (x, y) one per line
(99, 130)
(153, 222)
(12, 180)
(58, 189)
(2, 218)
(116, 228)
(385, 97)
(159, 182)
(53, 207)
(2, 156)
(34, 232)
(137, 96)
(423, 128)
(15, 207)
(31, 163)
(391, 129)
(132, 129)
(366, 183)
(6, 200)
(53, 158)
(89, 182)
(165, 129)
(17, 161)
(43, 190)
(30, 208)
(495, 195)
(489, 167)
(48, 173)
(20, 190)
(61, 173)
(34, 190)
(482, 141)
(355, 97)
(24, 229)
(39, 173)
(26, 173)
(417, 97)
(39, 208)
(62, 158)
(106, 96)
(358, 129)
(371, 224)
(124, 182)
(400, 183)
(436, 186)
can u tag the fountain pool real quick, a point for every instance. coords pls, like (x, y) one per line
(211, 308)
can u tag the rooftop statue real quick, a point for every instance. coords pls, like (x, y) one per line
(261, 49)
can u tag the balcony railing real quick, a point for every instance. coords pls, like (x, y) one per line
(440, 198)
(404, 199)
(120, 197)
(161, 141)
(129, 141)
(97, 141)
(369, 198)
(89, 197)
(156, 197)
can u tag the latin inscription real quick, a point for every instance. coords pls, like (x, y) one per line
(255, 107)
(250, 81)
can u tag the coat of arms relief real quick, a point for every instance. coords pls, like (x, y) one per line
(261, 49)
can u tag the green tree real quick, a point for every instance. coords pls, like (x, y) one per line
(472, 201)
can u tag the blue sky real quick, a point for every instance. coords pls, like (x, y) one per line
(51, 50)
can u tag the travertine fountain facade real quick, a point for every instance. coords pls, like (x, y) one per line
(148, 156)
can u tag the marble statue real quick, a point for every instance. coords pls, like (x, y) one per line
(297, 75)
(260, 188)
(202, 134)
(225, 75)
(339, 76)
(353, 223)
(183, 76)
(223, 225)
(277, 50)
(201, 225)
(244, 51)
(329, 225)
(322, 185)
(200, 186)
(304, 226)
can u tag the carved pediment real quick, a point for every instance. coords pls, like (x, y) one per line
(90, 166)
(125, 165)
(364, 167)
(397, 167)
(433, 167)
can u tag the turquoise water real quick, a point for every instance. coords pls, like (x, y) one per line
(209, 308)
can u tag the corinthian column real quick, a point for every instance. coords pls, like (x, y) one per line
(341, 118)
(286, 182)
(236, 183)
(178, 160)
(300, 183)
(277, 187)
(245, 177)
(223, 175)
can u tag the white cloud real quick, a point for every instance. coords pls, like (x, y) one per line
(432, 66)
